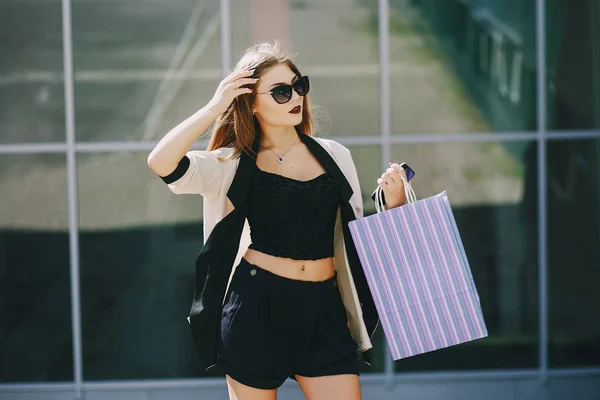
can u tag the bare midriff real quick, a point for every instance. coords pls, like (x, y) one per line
(303, 270)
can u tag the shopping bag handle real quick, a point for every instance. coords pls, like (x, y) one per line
(408, 192)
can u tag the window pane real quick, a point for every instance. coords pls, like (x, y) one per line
(334, 43)
(573, 252)
(35, 302)
(143, 67)
(462, 66)
(139, 242)
(573, 64)
(491, 188)
(31, 72)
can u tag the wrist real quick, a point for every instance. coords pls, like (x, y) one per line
(394, 205)
(212, 110)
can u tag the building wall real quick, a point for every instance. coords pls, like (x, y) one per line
(497, 103)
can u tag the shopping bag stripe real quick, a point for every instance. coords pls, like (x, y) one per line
(462, 266)
(374, 278)
(463, 283)
(440, 261)
(435, 259)
(419, 276)
(451, 282)
(450, 244)
(372, 256)
(457, 238)
(456, 275)
(422, 291)
(413, 281)
(471, 301)
(431, 234)
(418, 255)
(385, 255)
(410, 346)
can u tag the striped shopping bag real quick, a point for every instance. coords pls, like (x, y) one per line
(418, 273)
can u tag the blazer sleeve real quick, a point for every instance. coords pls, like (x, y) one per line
(198, 172)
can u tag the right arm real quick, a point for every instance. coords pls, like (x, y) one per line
(172, 159)
(174, 145)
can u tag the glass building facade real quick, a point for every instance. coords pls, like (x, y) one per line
(496, 102)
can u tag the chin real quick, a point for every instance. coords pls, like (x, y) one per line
(291, 120)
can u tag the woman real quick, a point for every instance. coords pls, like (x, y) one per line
(280, 291)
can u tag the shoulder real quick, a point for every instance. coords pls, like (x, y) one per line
(215, 155)
(332, 145)
(222, 152)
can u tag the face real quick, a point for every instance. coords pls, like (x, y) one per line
(269, 111)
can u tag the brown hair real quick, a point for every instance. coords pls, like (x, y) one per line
(238, 127)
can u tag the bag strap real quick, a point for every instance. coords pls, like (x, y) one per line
(411, 197)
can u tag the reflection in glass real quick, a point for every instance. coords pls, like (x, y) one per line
(138, 244)
(491, 188)
(35, 304)
(334, 43)
(459, 66)
(31, 72)
(573, 64)
(573, 252)
(141, 68)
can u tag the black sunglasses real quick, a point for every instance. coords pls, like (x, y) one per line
(283, 93)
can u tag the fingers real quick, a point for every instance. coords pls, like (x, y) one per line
(241, 82)
(237, 75)
(240, 91)
(391, 177)
(385, 180)
(392, 185)
(240, 86)
(396, 171)
(399, 168)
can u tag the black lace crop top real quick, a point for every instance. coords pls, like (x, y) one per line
(291, 218)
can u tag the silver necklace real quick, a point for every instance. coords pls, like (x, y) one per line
(280, 157)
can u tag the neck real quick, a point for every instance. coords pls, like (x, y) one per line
(278, 137)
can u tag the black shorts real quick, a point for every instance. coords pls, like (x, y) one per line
(274, 327)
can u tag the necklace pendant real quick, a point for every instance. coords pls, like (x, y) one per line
(280, 160)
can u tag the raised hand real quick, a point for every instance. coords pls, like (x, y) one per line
(231, 87)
